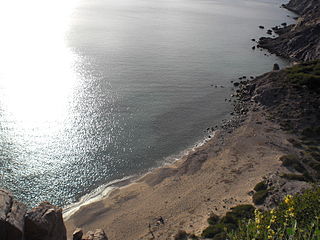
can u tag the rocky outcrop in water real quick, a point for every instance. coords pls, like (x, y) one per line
(301, 41)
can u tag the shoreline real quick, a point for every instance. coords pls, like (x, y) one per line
(212, 178)
(103, 212)
(272, 138)
(104, 190)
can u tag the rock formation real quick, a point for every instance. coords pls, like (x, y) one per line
(301, 41)
(45, 223)
(98, 234)
(11, 217)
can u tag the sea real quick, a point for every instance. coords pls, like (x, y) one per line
(93, 92)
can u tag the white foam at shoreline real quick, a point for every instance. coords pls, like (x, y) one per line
(104, 190)
(94, 196)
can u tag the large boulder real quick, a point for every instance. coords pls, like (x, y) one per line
(98, 234)
(77, 234)
(45, 223)
(11, 217)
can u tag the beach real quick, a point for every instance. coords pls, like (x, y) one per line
(247, 175)
(211, 179)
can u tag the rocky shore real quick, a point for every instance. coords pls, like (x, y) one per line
(43, 222)
(301, 41)
(268, 149)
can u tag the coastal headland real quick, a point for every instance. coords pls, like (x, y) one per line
(271, 137)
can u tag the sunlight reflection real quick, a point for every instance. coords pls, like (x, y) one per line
(36, 69)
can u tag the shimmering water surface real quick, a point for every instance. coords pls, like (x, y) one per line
(93, 91)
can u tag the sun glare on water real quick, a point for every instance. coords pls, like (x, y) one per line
(36, 67)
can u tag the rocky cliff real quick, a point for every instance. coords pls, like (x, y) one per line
(44, 222)
(300, 42)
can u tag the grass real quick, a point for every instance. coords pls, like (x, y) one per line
(305, 74)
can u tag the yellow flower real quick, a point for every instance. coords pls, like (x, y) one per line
(270, 234)
(288, 200)
(258, 216)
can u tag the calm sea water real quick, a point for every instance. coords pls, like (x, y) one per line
(93, 91)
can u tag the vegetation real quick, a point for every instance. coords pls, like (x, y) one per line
(295, 143)
(305, 74)
(181, 235)
(311, 132)
(213, 219)
(296, 218)
(296, 177)
(260, 186)
(218, 230)
(259, 197)
(292, 161)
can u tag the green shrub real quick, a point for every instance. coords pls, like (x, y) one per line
(313, 148)
(296, 218)
(193, 237)
(295, 143)
(305, 74)
(315, 166)
(288, 160)
(220, 236)
(315, 156)
(296, 177)
(213, 219)
(229, 219)
(218, 228)
(311, 132)
(243, 211)
(259, 197)
(181, 235)
(292, 161)
(260, 186)
(213, 230)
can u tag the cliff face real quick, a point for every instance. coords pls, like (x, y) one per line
(301, 41)
(43, 222)
(302, 6)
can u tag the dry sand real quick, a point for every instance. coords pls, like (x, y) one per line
(213, 178)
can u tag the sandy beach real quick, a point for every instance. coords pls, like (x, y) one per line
(211, 179)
